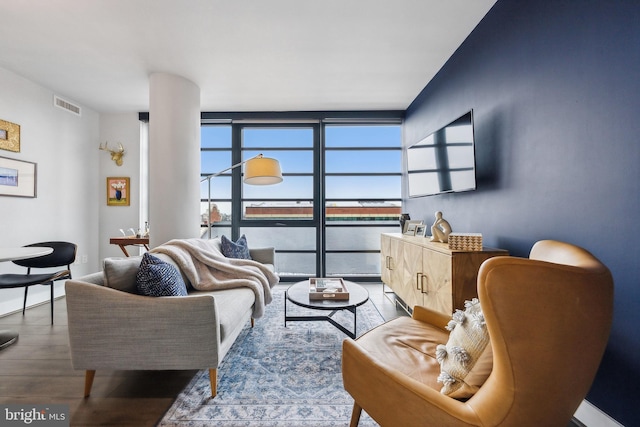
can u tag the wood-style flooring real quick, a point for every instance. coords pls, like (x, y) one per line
(37, 370)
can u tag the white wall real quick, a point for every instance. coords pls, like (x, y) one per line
(114, 129)
(64, 146)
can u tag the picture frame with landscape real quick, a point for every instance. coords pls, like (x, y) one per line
(17, 178)
(410, 227)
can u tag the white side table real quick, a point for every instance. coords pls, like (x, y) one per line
(8, 337)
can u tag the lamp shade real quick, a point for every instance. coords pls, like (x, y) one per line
(262, 171)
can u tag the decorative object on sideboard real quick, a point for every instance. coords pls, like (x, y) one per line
(404, 217)
(17, 178)
(440, 229)
(421, 230)
(410, 226)
(116, 155)
(465, 241)
(9, 136)
(410, 221)
(118, 191)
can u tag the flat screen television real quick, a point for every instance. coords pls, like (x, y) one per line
(444, 161)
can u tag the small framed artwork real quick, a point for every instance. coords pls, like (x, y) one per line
(118, 193)
(420, 230)
(17, 178)
(9, 136)
(411, 229)
(410, 226)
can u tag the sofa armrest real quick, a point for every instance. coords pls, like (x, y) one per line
(111, 329)
(263, 255)
(95, 278)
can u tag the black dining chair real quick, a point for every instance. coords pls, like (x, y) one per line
(64, 254)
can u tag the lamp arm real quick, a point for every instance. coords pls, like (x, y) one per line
(208, 179)
(213, 175)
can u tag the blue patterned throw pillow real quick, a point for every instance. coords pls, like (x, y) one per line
(156, 278)
(238, 249)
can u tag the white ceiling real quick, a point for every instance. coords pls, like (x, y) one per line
(245, 55)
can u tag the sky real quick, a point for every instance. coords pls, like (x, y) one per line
(293, 148)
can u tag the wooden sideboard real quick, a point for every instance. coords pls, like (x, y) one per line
(421, 272)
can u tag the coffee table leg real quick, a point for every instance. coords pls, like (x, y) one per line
(355, 322)
(347, 332)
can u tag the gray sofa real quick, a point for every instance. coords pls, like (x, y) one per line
(113, 328)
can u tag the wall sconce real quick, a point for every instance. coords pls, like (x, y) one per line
(116, 155)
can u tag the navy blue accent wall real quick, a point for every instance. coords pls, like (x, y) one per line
(555, 88)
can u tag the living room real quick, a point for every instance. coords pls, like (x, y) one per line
(552, 86)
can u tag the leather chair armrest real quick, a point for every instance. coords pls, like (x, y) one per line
(431, 317)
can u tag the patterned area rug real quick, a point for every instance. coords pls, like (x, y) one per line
(276, 376)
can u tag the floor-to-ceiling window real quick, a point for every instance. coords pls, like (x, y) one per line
(362, 190)
(341, 189)
(215, 157)
(283, 215)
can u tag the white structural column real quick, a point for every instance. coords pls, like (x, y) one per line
(174, 158)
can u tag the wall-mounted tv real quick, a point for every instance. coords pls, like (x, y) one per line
(444, 161)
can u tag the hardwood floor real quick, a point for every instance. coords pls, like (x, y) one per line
(37, 370)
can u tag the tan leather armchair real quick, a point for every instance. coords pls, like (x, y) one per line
(548, 318)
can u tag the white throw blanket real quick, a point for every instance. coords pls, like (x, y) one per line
(208, 269)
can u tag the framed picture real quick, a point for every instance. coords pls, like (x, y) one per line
(411, 229)
(118, 193)
(17, 178)
(420, 230)
(9, 136)
(410, 226)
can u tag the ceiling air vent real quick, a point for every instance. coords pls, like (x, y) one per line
(66, 105)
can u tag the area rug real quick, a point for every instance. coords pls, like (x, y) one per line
(276, 376)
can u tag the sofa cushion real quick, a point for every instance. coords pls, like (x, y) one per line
(120, 273)
(238, 249)
(166, 258)
(157, 278)
(466, 360)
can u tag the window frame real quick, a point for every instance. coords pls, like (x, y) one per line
(318, 121)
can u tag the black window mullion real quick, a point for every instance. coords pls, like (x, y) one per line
(319, 204)
(236, 181)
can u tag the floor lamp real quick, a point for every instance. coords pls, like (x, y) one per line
(259, 170)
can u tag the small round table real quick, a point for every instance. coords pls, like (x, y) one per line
(8, 337)
(298, 294)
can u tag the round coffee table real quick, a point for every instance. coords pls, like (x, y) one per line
(298, 294)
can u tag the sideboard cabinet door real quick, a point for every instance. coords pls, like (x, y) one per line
(421, 272)
(437, 284)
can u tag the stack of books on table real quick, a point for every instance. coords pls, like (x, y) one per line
(327, 289)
